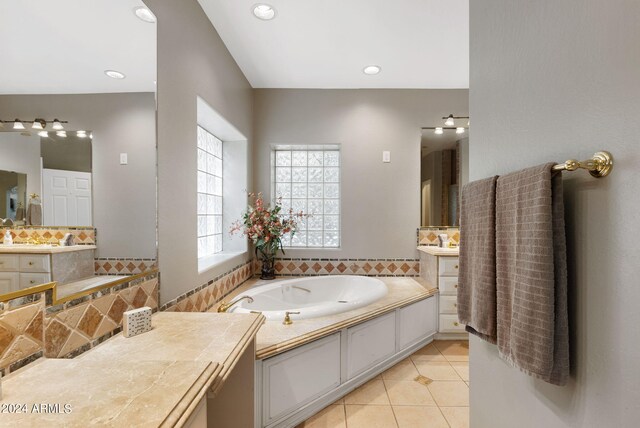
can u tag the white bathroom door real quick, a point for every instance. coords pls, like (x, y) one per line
(66, 198)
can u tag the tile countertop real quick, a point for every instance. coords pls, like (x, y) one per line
(42, 249)
(274, 337)
(144, 394)
(153, 379)
(437, 251)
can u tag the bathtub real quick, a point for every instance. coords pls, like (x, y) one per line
(312, 296)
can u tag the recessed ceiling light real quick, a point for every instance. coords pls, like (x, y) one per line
(371, 69)
(264, 12)
(114, 74)
(145, 14)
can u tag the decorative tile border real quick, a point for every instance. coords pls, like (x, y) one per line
(31, 328)
(205, 296)
(123, 266)
(80, 324)
(429, 235)
(50, 234)
(21, 331)
(367, 267)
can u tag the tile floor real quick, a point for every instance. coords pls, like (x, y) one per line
(430, 389)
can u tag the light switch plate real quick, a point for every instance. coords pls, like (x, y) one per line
(124, 159)
(136, 321)
(386, 157)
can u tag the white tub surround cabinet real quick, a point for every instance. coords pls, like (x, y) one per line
(24, 266)
(439, 267)
(297, 383)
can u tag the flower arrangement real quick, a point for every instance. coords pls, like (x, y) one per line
(265, 226)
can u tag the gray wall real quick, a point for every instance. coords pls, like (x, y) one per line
(192, 61)
(551, 81)
(380, 201)
(124, 196)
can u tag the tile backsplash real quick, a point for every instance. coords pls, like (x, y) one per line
(53, 234)
(429, 235)
(367, 267)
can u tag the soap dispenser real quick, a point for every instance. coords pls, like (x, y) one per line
(8, 239)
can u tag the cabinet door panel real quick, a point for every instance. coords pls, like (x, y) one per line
(370, 343)
(417, 321)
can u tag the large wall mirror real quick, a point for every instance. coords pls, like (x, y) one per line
(444, 170)
(77, 143)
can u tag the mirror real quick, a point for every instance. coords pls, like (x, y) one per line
(444, 169)
(78, 143)
(13, 195)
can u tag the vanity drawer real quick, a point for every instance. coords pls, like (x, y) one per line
(9, 262)
(449, 305)
(9, 281)
(35, 263)
(448, 285)
(32, 279)
(448, 266)
(450, 324)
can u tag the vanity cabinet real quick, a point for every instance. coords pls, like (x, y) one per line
(440, 267)
(18, 271)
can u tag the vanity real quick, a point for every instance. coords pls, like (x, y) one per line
(439, 267)
(25, 265)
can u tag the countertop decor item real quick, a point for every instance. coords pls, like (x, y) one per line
(265, 226)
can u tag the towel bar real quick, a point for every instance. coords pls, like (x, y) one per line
(600, 165)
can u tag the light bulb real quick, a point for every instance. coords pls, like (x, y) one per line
(372, 69)
(62, 134)
(57, 125)
(44, 134)
(264, 12)
(449, 121)
(37, 124)
(81, 134)
(17, 124)
(459, 130)
(439, 131)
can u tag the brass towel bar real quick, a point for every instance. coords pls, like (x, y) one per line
(600, 165)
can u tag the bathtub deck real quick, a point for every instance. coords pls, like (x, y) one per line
(274, 338)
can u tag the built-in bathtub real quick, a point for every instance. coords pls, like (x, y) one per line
(312, 297)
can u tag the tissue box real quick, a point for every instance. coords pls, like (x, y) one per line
(136, 321)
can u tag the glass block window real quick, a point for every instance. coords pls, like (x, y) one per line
(309, 181)
(209, 193)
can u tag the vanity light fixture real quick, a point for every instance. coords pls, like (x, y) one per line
(62, 134)
(459, 130)
(145, 14)
(264, 12)
(39, 124)
(57, 125)
(371, 70)
(439, 131)
(43, 134)
(81, 134)
(449, 121)
(114, 74)
(17, 124)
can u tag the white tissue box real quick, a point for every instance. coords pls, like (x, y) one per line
(136, 321)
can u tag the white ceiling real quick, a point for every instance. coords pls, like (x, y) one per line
(64, 47)
(327, 43)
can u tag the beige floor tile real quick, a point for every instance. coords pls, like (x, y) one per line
(449, 392)
(330, 417)
(462, 368)
(404, 370)
(437, 370)
(428, 353)
(458, 417)
(359, 416)
(340, 401)
(372, 392)
(452, 347)
(419, 417)
(406, 393)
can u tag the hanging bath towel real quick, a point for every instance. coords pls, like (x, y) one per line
(531, 271)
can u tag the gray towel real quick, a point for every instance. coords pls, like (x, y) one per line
(531, 269)
(34, 214)
(477, 273)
